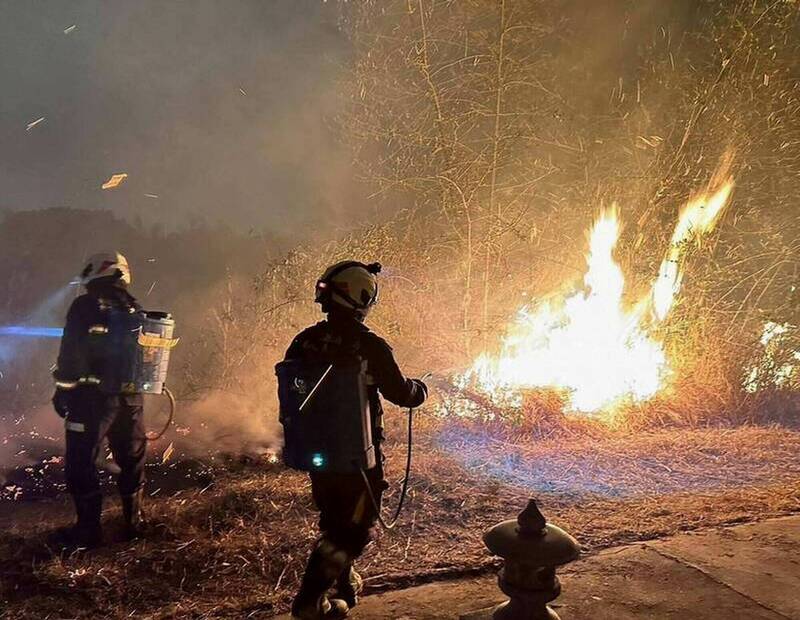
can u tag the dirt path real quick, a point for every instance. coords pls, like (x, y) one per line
(746, 571)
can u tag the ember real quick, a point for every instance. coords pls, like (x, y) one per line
(115, 180)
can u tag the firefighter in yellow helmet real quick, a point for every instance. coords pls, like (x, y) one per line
(92, 413)
(347, 291)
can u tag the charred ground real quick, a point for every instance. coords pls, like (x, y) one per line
(230, 540)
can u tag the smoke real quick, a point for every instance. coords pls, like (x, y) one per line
(236, 422)
(15, 351)
(225, 421)
(216, 111)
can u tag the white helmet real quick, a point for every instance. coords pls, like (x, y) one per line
(106, 265)
(350, 284)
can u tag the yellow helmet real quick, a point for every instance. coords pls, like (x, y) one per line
(350, 284)
(106, 265)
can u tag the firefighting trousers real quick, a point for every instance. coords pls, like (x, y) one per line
(92, 417)
(347, 515)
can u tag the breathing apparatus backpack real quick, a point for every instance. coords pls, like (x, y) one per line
(324, 409)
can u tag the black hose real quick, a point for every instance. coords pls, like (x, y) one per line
(404, 491)
(172, 405)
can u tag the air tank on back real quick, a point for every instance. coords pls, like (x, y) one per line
(139, 344)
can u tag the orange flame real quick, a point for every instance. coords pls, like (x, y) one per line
(589, 345)
(697, 217)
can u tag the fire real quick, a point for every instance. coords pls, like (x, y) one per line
(777, 367)
(589, 346)
(697, 217)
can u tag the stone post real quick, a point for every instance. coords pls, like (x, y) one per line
(532, 549)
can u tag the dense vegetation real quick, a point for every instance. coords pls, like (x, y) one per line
(488, 134)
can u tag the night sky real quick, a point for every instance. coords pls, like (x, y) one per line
(152, 89)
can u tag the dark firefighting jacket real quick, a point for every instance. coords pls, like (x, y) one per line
(80, 360)
(342, 338)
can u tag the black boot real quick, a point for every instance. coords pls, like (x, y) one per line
(348, 586)
(133, 515)
(323, 609)
(311, 602)
(86, 533)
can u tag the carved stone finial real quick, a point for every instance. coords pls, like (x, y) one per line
(531, 520)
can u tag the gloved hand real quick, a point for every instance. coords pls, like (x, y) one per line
(421, 385)
(61, 402)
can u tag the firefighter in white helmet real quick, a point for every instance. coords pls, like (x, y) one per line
(92, 413)
(347, 291)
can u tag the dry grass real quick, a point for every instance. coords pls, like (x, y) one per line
(236, 549)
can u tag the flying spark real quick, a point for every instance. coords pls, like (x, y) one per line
(33, 124)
